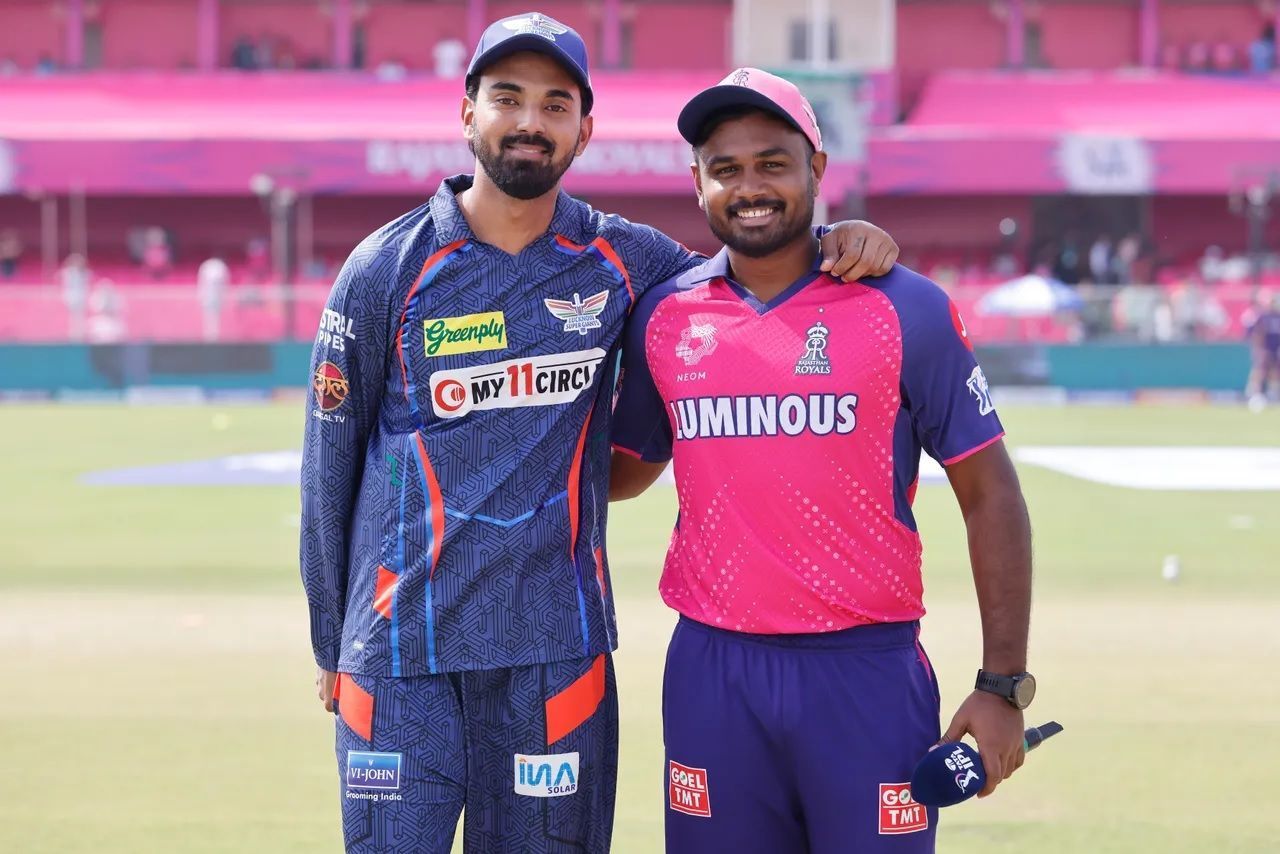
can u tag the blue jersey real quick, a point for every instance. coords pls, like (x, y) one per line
(456, 455)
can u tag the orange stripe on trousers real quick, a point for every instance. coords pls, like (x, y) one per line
(355, 705)
(570, 708)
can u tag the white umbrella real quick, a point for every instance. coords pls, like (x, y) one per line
(1029, 296)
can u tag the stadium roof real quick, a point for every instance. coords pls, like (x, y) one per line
(1146, 105)
(972, 132)
(299, 107)
(166, 133)
(1123, 133)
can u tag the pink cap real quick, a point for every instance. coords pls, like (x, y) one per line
(752, 87)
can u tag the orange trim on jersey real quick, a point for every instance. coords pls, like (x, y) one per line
(575, 472)
(436, 497)
(383, 590)
(607, 251)
(355, 705)
(426, 265)
(604, 590)
(566, 242)
(570, 708)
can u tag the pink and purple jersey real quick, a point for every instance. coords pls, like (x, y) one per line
(796, 428)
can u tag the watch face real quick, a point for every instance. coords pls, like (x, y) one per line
(1025, 691)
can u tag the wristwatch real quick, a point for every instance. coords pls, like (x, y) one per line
(1019, 689)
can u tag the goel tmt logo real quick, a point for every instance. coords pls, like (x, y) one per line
(899, 812)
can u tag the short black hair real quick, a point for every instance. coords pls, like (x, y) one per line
(728, 114)
(473, 92)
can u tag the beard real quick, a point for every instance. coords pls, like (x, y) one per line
(759, 242)
(520, 178)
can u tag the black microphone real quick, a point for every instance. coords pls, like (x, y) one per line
(953, 772)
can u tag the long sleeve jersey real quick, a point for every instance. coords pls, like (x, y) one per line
(456, 452)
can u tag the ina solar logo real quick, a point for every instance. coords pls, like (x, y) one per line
(547, 776)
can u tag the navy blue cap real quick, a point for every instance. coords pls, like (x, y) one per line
(537, 32)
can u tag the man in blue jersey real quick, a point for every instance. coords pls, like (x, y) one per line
(455, 479)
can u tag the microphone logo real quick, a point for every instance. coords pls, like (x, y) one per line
(964, 778)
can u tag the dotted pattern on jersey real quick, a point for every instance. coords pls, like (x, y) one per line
(835, 554)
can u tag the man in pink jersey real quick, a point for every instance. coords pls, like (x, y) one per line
(797, 698)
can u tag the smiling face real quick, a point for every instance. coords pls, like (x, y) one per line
(757, 178)
(524, 123)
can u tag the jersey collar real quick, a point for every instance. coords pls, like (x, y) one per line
(451, 225)
(717, 267)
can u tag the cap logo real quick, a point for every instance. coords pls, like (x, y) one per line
(537, 24)
(741, 77)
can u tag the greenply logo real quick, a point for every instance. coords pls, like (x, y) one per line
(469, 333)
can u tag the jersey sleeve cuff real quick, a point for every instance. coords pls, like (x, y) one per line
(628, 451)
(969, 453)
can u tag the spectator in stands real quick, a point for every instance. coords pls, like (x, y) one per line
(265, 52)
(1066, 268)
(106, 321)
(1100, 260)
(1197, 57)
(242, 56)
(212, 280)
(157, 257)
(1262, 51)
(1225, 59)
(75, 276)
(258, 260)
(1212, 265)
(450, 56)
(1196, 314)
(1127, 253)
(45, 65)
(10, 253)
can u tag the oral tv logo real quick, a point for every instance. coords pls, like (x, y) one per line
(546, 776)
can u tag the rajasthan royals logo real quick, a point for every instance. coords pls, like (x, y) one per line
(579, 315)
(978, 388)
(697, 342)
(814, 360)
(539, 25)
